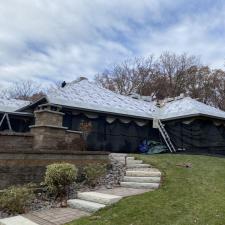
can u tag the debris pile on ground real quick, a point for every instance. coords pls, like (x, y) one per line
(185, 165)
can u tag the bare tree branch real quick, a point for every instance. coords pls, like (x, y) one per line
(24, 90)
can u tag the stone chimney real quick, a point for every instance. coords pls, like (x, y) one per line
(48, 115)
(49, 134)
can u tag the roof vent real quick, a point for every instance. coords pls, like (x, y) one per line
(166, 100)
(146, 98)
(135, 96)
(160, 103)
(181, 96)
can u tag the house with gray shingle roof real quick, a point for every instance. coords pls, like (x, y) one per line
(120, 123)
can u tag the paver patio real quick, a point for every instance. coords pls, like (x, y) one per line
(55, 216)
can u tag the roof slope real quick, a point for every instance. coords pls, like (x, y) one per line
(11, 105)
(87, 95)
(187, 107)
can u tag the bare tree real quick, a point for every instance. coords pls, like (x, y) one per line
(168, 76)
(128, 77)
(162, 77)
(24, 90)
(176, 69)
(55, 85)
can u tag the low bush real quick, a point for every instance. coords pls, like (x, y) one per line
(93, 172)
(81, 176)
(58, 178)
(15, 199)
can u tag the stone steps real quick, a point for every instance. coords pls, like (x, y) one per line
(140, 173)
(138, 176)
(97, 197)
(84, 205)
(134, 161)
(141, 165)
(118, 155)
(140, 185)
(130, 158)
(122, 159)
(144, 169)
(142, 179)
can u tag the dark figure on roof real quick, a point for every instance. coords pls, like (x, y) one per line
(63, 84)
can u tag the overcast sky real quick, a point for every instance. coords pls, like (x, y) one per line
(62, 39)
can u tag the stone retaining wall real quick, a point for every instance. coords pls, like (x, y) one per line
(56, 138)
(24, 167)
(24, 156)
(13, 142)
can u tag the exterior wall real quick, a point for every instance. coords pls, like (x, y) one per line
(113, 137)
(200, 135)
(20, 168)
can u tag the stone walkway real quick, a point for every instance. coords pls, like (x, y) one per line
(122, 191)
(56, 216)
(139, 178)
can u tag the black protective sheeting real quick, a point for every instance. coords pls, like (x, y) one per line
(19, 123)
(201, 135)
(113, 137)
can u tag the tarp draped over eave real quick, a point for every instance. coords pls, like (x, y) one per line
(111, 119)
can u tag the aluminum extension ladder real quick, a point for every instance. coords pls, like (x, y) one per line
(166, 136)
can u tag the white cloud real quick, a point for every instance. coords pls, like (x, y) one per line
(193, 35)
(52, 40)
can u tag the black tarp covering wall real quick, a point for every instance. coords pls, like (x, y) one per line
(113, 137)
(19, 123)
(200, 135)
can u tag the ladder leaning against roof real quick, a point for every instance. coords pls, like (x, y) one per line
(165, 135)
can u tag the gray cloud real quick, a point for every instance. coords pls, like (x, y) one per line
(52, 40)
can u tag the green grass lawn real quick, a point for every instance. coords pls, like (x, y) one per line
(187, 196)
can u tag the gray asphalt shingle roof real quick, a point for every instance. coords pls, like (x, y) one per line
(86, 95)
